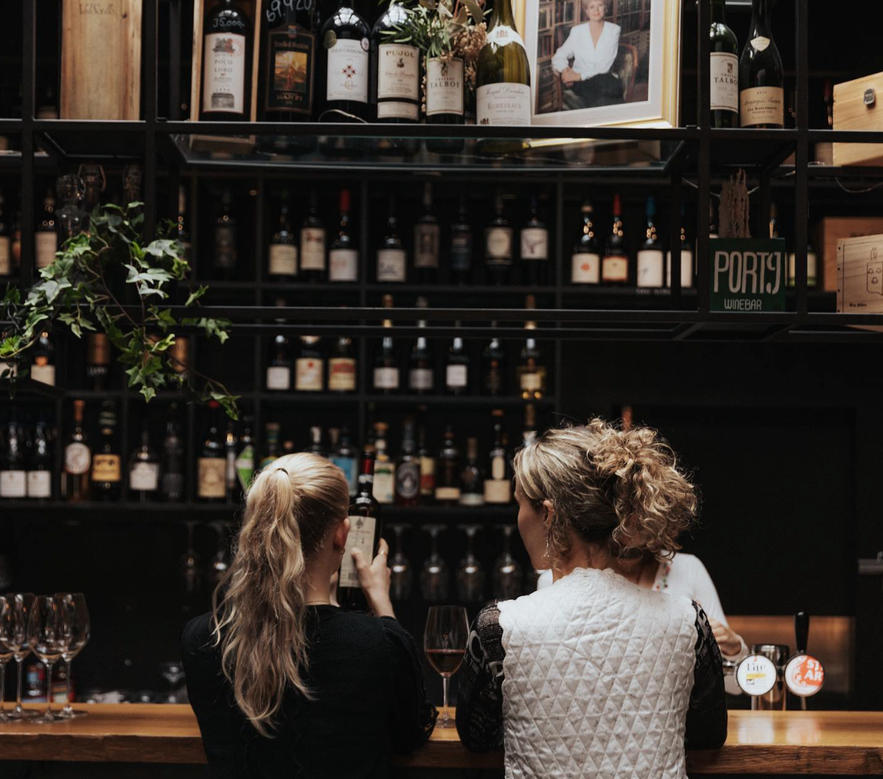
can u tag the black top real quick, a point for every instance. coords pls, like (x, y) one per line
(368, 702)
(480, 698)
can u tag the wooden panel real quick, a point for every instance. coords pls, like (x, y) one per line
(101, 59)
(851, 113)
(831, 230)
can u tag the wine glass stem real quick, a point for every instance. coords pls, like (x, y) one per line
(2, 688)
(445, 680)
(48, 714)
(68, 709)
(20, 673)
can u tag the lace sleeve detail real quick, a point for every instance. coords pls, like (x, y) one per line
(707, 714)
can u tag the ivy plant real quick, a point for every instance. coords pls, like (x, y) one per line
(86, 288)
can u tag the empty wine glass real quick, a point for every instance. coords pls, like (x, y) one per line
(190, 564)
(507, 571)
(220, 563)
(6, 635)
(173, 672)
(48, 634)
(470, 574)
(401, 575)
(434, 576)
(78, 632)
(19, 606)
(444, 643)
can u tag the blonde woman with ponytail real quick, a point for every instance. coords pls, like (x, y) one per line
(595, 675)
(282, 681)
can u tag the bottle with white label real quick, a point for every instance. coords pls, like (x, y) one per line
(365, 531)
(211, 465)
(615, 265)
(384, 467)
(77, 474)
(448, 472)
(651, 260)
(503, 73)
(445, 99)
(345, 47)
(342, 366)
(107, 478)
(585, 262)
(498, 245)
(457, 369)
(687, 268)
(427, 239)
(280, 364)
(283, 246)
(43, 366)
(40, 465)
(392, 259)
(761, 75)
(46, 237)
(498, 484)
(421, 374)
(724, 69)
(226, 63)
(407, 486)
(312, 243)
(309, 368)
(343, 257)
(13, 473)
(144, 470)
(395, 72)
(535, 248)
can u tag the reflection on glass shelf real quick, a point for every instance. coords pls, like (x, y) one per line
(457, 152)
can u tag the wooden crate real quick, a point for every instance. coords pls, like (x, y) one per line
(860, 275)
(217, 143)
(831, 230)
(101, 60)
(858, 105)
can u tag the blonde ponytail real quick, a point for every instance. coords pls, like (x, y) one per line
(259, 606)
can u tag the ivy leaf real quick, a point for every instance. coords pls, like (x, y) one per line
(474, 11)
(161, 248)
(194, 296)
(149, 393)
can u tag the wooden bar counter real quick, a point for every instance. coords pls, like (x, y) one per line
(847, 743)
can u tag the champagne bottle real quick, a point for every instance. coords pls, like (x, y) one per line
(503, 73)
(761, 75)
(226, 58)
(724, 69)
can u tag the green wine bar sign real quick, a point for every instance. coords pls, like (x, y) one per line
(747, 274)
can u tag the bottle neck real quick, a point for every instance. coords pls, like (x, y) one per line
(503, 15)
(760, 18)
(718, 12)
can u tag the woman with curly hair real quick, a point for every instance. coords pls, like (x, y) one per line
(595, 675)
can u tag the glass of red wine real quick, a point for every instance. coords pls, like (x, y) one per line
(444, 642)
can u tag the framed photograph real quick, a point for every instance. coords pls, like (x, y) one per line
(603, 62)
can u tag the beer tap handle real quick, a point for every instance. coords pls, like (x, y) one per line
(801, 629)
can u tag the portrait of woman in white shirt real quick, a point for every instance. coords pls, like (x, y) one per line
(584, 60)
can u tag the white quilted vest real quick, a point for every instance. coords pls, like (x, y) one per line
(597, 680)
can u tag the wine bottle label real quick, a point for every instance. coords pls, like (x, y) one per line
(493, 380)
(615, 268)
(223, 81)
(245, 466)
(447, 493)
(503, 104)
(760, 43)
(585, 268)
(498, 468)
(812, 269)
(384, 483)
(279, 377)
(426, 245)
(291, 56)
(144, 477)
(106, 467)
(534, 243)
(312, 248)
(761, 105)
(420, 379)
(386, 378)
(398, 69)
(347, 70)
(361, 536)
(444, 87)
(530, 381)
(497, 491)
(395, 109)
(650, 268)
(45, 374)
(283, 259)
(46, 246)
(408, 480)
(13, 484)
(686, 269)
(391, 265)
(308, 374)
(503, 35)
(457, 376)
(461, 251)
(472, 498)
(39, 484)
(343, 265)
(724, 81)
(427, 476)
(77, 458)
(225, 246)
(173, 486)
(350, 471)
(342, 374)
(498, 245)
(211, 477)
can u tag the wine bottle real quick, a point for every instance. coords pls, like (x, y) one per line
(761, 75)
(316, 446)
(421, 376)
(498, 484)
(392, 259)
(457, 369)
(289, 61)
(461, 246)
(46, 237)
(144, 469)
(226, 238)
(531, 371)
(535, 248)
(447, 477)
(40, 465)
(106, 470)
(529, 434)
(231, 479)
(724, 69)
(445, 100)
(365, 531)
(345, 38)
(386, 376)
(687, 269)
(212, 464)
(76, 477)
(43, 367)
(472, 479)
(615, 265)
(342, 366)
(172, 466)
(343, 455)
(427, 467)
(498, 244)
(407, 481)
(650, 257)
(181, 231)
(493, 361)
(283, 246)
(312, 243)
(395, 92)
(245, 456)
(427, 239)
(812, 268)
(5, 241)
(97, 360)
(384, 467)
(226, 60)
(271, 438)
(13, 473)
(503, 73)
(309, 368)
(585, 262)
(343, 257)
(280, 364)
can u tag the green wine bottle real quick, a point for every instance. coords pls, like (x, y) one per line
(761, 75)
(724, 69)
(503, 79)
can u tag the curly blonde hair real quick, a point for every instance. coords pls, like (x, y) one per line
(610, 486)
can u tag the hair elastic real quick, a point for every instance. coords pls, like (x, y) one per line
(283, 471)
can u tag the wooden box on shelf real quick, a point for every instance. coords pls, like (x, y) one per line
(858, 105)
(219, 143)
(834, 228)
(860, 275)
(101, 60)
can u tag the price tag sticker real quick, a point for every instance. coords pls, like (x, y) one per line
(756, 675)
(804, 675)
